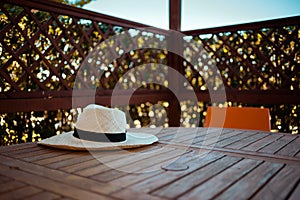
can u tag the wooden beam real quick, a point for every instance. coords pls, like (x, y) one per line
(175, 14)
(274, 23)
(10, 105)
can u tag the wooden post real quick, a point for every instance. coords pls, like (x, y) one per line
(174, 61)
(174, 15)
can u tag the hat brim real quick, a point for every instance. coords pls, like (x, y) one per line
(66, 140)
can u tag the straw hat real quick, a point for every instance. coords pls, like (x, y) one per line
(99, 128)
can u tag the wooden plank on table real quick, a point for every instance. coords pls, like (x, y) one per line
(249, 184)
(193, 135)
(211, 141)
(161, 132)
(57, 176)
(221, 181)
(132, 178)
(108, 175)
(96, 158)
(166, 134)
(245, 154)
(23, 151)
(246, 141)
(16, 147)
(43, 196)
(57, 158)
(277, 144)
(118, 159)
(295, 194)
(125, 165)
(152, 163)
(81, 156)
(10, 185)
(20, 193)
(166, 137)
(297, 155)
(136, 195)
(281, 185)
(123, 154)
(188, 138)
(211, 134)
(235, 138)
(291, 149)
(183, 135)
(33, 153)
(188, 182)
(118, 175)
(79, 159)
(34, 181)
(4, 179)
(80, 166)
(163, 178)
(257, 145)
(45, 155)
(64, 198)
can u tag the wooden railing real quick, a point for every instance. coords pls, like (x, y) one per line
(259, 61)
(43, 45)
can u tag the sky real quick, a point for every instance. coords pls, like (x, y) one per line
(197, 14)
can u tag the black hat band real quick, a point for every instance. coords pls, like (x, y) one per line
(99, 137)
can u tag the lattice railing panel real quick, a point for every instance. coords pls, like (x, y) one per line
(43, 51)
(258, 59)
(99, 72)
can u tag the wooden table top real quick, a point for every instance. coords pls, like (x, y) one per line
(211, 164)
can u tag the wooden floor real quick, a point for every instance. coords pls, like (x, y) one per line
(232, 164)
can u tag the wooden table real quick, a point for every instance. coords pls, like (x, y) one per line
(238, 165)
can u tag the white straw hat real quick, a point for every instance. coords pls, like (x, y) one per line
(99, 128)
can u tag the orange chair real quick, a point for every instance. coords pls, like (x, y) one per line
(238, 117)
